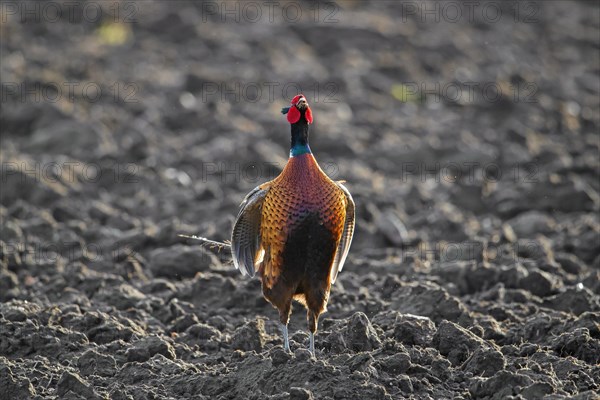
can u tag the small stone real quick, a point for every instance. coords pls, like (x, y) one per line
(413, 329)
(570, 263)
(146, 348)
(500, 386)
(93, 363)
(537, 391)
(180, 261)
(465, 251)
(63, 213)
(302, 354)
(491, 328)
(396, 364)
(360, 362)
(19, 185)
(485, 362)
(203, 331)
(519, 296)
(72, 383)
(251, 336)
(64, 136)
(336, 342)
(579, 344)
(511, 275)
(531, 223)
(123, 296)
(218, 322)
(15, 315)
(574, 300)
(441, 368)
(298, 393)
(160, 285)
(455, 342)
(109, 331)
(11, 232)
(184, 322)
(531, 251)
(539, 283)
(14, 387)
(405, 384)
(359, 334)
(431, 301)
(279, 356)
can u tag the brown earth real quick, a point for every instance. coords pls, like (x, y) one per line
(470, 144)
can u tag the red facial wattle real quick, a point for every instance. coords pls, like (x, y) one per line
(308, 115)
(293, 115)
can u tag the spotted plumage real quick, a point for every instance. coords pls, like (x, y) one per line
(295, 230)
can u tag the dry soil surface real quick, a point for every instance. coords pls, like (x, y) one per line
(470, 145)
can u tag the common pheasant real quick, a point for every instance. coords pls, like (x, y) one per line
(295, 230)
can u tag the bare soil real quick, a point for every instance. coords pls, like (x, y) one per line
(470, 145)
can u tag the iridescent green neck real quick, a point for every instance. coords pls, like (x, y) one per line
(299, 149)
(299, 138)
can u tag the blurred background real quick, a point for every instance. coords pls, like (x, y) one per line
(467, 132)
(435, 112)
(438, 114)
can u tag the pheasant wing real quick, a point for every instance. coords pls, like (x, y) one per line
(245, 238)
(346, 239)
